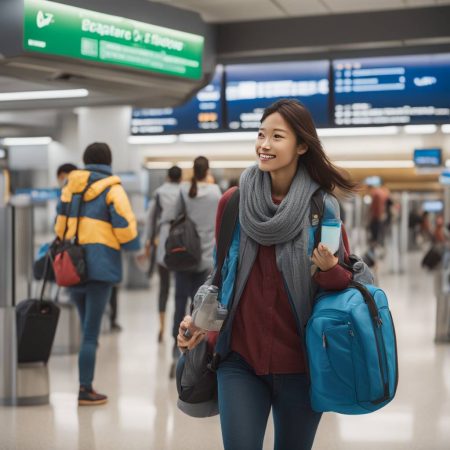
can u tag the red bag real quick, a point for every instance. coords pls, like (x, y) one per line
(69, 262)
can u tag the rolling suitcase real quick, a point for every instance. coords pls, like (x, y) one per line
(36, 326)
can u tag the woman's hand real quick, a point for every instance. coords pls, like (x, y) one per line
(195, 336)
(323, 258)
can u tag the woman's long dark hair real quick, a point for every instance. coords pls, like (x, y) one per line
(316, 162)
(201, 166)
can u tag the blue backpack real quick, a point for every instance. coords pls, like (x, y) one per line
(352, 351)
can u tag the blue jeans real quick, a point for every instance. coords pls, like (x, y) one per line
(245, 401)
(90, 299)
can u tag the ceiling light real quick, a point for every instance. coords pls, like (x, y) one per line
(237, 164)
(41, 140)
(158, 165)
(231, 164)
(219, 137)
(399, 164)
(160, 139)
(357, 131)
(42, 95)
(445, 128)
(420, 129)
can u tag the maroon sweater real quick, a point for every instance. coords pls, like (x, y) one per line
(264, 331)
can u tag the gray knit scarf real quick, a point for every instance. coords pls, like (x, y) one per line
(266, 222)
(282, 225)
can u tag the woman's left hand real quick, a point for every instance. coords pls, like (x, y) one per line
(323, 258)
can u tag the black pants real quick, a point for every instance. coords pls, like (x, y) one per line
(376, 228)
(113, 305)
(186, 285)
(164, 286)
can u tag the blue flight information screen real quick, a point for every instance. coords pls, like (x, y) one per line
(392, 90)
(427, 157)
(252, 87)
(202, 113)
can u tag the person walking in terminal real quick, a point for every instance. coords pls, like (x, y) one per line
(160, 212)
(199, 199)
(261, 349)
(106, 224)
(62, 172)
(380, 214)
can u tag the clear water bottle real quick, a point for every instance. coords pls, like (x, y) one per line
(209, 314)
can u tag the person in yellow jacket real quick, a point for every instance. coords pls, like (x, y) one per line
(106, 225)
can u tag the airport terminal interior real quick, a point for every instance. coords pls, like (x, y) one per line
(162, 83)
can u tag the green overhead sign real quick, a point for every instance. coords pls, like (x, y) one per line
(57, 29)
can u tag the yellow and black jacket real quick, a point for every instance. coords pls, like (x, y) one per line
(107, 222)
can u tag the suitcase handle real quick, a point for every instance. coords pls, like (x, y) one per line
(46, 268)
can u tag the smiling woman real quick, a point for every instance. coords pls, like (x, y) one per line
(268, 288)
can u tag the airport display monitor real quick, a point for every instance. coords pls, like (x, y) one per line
(202, 113)
(433, 206)
(39, 195)
(427, 157)
(373, 180)
(252, 87)
(392, 90)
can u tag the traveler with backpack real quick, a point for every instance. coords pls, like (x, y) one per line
(198, 200)
(95, 210)
(62, 173)
(262, 362)
(160, 213)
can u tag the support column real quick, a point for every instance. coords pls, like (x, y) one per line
(110, 125)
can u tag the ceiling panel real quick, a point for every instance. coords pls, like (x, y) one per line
(10, 84)
(421, 2)
(346, 6)
(236, 11)
(304, 7)
(233, 10)
(417, 3)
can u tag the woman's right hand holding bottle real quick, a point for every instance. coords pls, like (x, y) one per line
(189, 335)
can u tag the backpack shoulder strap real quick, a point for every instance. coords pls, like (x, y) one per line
(226, 231)
(183, 203)
(88, 185)
(316, 213)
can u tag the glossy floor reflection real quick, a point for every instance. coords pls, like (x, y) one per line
(133, 370)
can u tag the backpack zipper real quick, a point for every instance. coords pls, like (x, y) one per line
(324, 336)
(377, 323)
(384, 357)
(378, 338)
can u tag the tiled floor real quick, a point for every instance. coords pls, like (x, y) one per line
(133, 370)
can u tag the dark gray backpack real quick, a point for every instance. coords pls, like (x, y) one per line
(183, 248)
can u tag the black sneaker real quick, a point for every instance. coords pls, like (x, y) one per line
(116, 328)
(87, 397)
